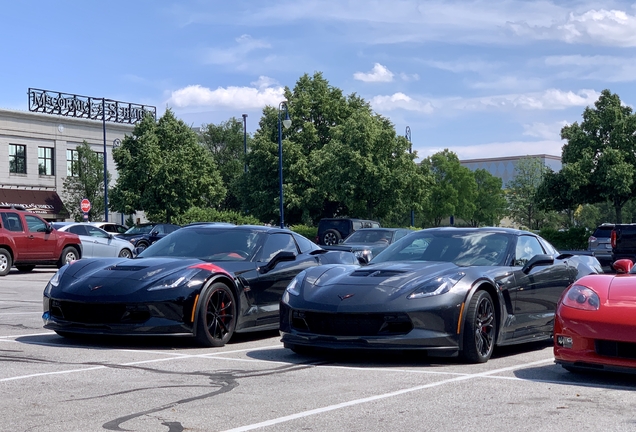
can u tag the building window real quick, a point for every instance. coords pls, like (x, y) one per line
(45, 161)
(17, 158)
(72, 163)
(100, 156)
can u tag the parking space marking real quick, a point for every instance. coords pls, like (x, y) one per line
(23, 335)
(308, 413)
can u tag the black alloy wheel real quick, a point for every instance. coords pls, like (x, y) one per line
(479, 331)
(331, 237)
(217, 316)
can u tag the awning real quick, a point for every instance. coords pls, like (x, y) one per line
(46, 203)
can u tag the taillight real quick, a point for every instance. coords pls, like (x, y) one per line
(613, 239)
(591, 239)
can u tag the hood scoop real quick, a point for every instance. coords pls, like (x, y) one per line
(377, 273)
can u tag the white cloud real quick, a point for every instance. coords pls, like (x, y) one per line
(551, 99)
(244, 45)
(226, 97)
(399, 101)
(409, 77)
(595, 27)
(379, 73)
(546, 131)
(598, 67)
(264, 82)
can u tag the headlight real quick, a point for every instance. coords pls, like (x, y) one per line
(175, 280)
(436, 286)
(294, 286)
(580, 297)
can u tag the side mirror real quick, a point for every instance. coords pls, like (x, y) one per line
(537, 260)
(48, 229)
(623, 266)
(279, 257)
(110, 236)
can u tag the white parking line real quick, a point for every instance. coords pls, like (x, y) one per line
(23, 335)
(20, 313)
(378, 397)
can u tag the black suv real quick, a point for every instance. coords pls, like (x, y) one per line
(332, 231)
(143, 235)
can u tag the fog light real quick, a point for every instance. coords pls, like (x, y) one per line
(564, 341)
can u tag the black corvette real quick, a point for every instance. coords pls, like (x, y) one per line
(447, 291)
(204, 280)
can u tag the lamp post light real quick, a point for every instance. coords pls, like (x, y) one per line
(245, 141)
(286, 123)
(408, 137)
(105, 162)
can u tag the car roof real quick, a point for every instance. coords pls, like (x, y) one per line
(223, 225)
(512, 231)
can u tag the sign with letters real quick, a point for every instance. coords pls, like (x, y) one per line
(70, 105)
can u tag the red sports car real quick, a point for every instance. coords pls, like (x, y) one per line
(595, 322)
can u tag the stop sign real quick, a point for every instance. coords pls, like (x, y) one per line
(85, 205)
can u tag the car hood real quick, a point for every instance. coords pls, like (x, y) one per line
(370, 284)
(622, 288)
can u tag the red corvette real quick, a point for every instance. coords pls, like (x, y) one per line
(595, 322)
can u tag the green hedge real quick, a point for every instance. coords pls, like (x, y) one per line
(196, 214)
(572, 239)
(305, 230)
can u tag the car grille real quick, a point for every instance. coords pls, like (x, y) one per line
(607, 348)
(98, 313)
(351, 324)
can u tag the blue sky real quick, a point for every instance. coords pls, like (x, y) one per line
(481, 78)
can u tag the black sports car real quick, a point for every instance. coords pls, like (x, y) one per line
(204, 280)
(446, 291)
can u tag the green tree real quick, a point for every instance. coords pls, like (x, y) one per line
(523, 205)
(226, 145)
(599, 159)
(163, 170)
(454, 190)
(490, 201)
(339, 159)
(88, 182)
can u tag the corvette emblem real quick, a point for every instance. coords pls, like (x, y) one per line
(96, 287)
(346, 296)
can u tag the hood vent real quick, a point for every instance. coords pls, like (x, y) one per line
(126, 268)
(377, 273)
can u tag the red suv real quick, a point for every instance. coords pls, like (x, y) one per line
(27, 240)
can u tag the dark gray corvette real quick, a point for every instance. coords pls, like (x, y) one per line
(447, 291)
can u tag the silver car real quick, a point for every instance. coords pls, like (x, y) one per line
(96, 242)
(599, 243)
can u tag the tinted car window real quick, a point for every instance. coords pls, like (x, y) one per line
(35, 224)
(276, 243)
(96, 232)
(527, 247)
(603, 231)
(78, 229)
(11, 221)
(304, 244)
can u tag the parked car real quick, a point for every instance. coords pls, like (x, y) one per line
(111, 227)
(27, 240)
(600, 245)
(206, 280)
(623, 241)
(96, 242)
(332, 231)
(443, 291)
(366, 243)
(143, 235)
(594, 327)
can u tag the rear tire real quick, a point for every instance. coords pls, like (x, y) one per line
(25, 268)
(479, 329)
(216, 319)
(5, 262)
(68, 254)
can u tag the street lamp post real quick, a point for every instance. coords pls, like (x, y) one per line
(408, 137)
(286, 123)
(245, 141)
(105, 162)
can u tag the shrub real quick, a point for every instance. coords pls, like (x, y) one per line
(196, 214)
(307, 231)
(574, 238)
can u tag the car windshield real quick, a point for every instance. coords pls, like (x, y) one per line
(140, 229)
(369, 236)
(463, 248)
(208, 244)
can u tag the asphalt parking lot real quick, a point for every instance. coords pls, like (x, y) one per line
(48, 383)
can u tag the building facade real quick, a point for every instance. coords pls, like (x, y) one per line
(36, 154)
(505, 167)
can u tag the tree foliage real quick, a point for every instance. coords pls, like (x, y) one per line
(490, 200)
(225, 142)
(164, 171)
(523, 204)
(88, 183)
(453, 191)
(599, 159)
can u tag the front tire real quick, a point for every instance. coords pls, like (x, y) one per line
(125, 253)
(479, 329)
(68, 254)
(216, 319)
(5, 262)
(141, 246)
